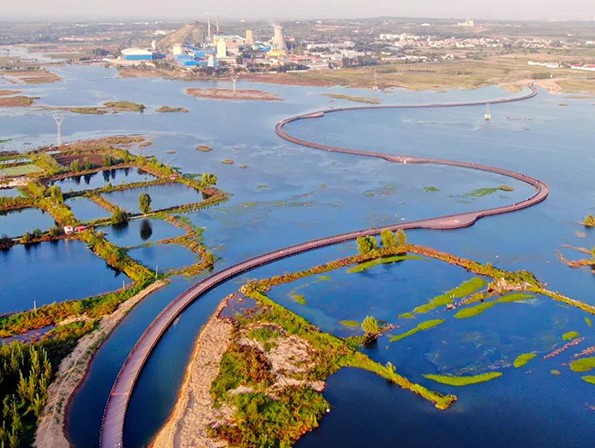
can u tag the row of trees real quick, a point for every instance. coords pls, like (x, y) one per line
(25, 374)
(366, 244)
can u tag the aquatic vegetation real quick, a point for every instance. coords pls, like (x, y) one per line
(431, 189)
(589, 379)
(350, 323)
(378, 261)
(299, 298)
(555, 372)
(125, 105)
(463, 290)
(589, 221)
(588, 321)
(481, 192)
(164, 109)
(570, 335)
(228, 162)
(463, 380)
(423, 326)
(523, 359)
(583, 364)
(478, 309)
(204, 148)
(406, 316)
(356, 99)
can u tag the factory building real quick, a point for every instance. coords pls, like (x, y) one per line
(136, 54)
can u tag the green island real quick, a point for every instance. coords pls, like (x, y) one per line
(583, 364)
(355, 99)
(589, 379)
(423, 326)
(570, 335)
(109, 107)
(74, 329)
(523, 359)
(168, 109)
(463, 380)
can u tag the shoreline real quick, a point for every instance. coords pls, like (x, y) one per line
(188, 423)
(73, 370)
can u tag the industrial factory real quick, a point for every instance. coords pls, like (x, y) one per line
(199, 46)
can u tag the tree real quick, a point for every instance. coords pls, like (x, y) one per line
(208, 180)
(388, 238)
(371, 330)
(119, 217)
(401, 238)
(366, 244)
(56, 194)
(144, 203)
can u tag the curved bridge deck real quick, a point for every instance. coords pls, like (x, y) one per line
(112, 427)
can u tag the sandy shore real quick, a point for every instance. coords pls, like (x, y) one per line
(193, 413)
(51, 430)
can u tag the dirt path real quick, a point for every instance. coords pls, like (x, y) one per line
(50, 432)
(194, 412)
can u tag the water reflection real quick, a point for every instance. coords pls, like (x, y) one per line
(146, 229)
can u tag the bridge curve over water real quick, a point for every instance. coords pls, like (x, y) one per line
(112, 426)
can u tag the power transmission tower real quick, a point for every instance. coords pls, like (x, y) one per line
(59, 121)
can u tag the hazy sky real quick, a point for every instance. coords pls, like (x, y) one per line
(280, 9)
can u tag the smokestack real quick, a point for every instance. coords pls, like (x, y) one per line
(250, 38)
(209, 27)
(217, 24)
(279, 39)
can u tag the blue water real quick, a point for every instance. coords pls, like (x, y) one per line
(52, 272)
(289, 194)
(10, 192)
(164, 257)
(16, 222)
(141, 231)
(102, 178)
(162, 196)
(86, 210)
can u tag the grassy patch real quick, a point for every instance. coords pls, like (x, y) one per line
(523, 359)
(125, 106)
(463, 290)
(431, 189)
(21, 170)
(423, 326)
(166, 109)
(569, 335)
(264, 334)
(463, 380)
(383, 260)
(473, 311)
(583, 364)
(299, 298)
(588, 321)
(589, 379)
(355, 99)
(350, 323)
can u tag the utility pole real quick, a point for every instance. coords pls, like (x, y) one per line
(234, 79)
(59, 121)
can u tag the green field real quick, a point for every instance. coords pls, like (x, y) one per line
(20, 170)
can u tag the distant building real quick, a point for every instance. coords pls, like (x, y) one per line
(221, 49)
(279, 39)
(136, 54)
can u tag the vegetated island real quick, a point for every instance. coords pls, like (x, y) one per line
(355, 99)
(167, 109)
(17, 101)
(257, 369)
(108, 107)
(30, 76)
(229, 94)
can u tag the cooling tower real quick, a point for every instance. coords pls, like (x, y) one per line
(250, 38)
(279, 39)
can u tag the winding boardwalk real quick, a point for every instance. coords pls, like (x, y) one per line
(112, 427)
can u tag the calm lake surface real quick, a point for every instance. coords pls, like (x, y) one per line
(52, 272)
(15, 223)
(289, 194)
(102, 178)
